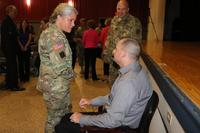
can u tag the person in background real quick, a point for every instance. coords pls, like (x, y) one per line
(126, 102)
(9, 47)
(90, 41)
(73, 45)
(32, 31)
(24, 53)
(56, 64)
(99, 27)
(78, 39)
(103, 37)
(43, 25)
(122, 25)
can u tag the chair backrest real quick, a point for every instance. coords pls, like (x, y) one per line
(148, 113)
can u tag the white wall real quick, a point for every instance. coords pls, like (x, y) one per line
(156, 20)
(164, 110)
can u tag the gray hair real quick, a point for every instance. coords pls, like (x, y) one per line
(132, 47)
(63, 9)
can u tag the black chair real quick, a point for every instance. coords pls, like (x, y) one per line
(144, 122)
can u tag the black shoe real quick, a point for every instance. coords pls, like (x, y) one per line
(3, 86)
(95, 79)
(85, 77)
(18, 89)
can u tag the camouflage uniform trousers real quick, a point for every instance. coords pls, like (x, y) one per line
(58, 102)
(113, 73)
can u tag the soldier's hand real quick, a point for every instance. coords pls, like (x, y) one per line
(84, 102)
(68, 74)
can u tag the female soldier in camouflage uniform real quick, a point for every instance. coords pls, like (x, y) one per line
(56, 64)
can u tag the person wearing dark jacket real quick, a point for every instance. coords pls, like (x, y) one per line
(9, 46)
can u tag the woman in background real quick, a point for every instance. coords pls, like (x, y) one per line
(24, 53)
(103, 37)
(90, 41)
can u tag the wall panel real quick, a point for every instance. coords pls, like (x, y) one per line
(37, 10)
(87, 8)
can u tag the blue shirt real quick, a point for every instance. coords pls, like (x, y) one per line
(126, 102)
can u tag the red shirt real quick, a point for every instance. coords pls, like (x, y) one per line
(103, 36)
(90, 38)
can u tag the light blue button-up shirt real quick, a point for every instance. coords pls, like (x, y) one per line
(126, 102)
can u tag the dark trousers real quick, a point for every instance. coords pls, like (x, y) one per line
(106, 68)
(37, 62)
(66, 126)
(24, 65)
(74, 56)
(11, 74)
(90, 58)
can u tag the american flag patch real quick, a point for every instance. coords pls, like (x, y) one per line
(58, 46)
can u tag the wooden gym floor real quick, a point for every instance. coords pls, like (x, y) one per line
(25, 112)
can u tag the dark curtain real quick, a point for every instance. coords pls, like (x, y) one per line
(94, 9)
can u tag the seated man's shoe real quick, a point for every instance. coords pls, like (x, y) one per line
(18, 89)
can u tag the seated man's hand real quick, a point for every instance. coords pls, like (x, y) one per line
(84, 102)
(75, 117)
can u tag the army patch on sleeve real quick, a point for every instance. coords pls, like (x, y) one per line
(58, 46)
(62, 54)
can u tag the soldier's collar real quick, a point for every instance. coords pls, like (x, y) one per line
(124, 17)
(119, 19)
(56, 28)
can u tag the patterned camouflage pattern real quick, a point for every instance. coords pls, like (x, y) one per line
(55, 74)
(121, 27)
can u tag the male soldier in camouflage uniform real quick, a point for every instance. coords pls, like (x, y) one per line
(56, 65)
(80, 46)
(122, 25)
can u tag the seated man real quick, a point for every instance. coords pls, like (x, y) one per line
(127, 100)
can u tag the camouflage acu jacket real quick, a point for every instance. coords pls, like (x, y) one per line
(55, 55)
(127, 26)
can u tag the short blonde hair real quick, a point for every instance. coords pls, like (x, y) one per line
(63, 9)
